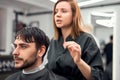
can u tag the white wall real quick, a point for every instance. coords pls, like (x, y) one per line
(99, 33)
(86, 13)
(116, 47)
(45, 23)
(3, 13)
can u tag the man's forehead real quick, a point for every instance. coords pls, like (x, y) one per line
(19, 40)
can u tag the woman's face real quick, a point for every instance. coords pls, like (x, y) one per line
(63, 15)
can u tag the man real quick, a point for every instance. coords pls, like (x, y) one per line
(30, 46)
(108, 50)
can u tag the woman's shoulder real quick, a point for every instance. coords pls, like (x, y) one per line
(88, 38)
(84, 35)
(84, 38)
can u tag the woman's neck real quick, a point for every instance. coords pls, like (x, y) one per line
(66, 32)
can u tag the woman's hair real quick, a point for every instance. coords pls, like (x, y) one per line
(77, 21)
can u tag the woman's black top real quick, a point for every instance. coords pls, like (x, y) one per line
(61, 62)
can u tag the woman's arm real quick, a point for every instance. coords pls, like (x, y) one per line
(75, 51)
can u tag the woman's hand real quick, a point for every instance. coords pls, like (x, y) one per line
(74, 49)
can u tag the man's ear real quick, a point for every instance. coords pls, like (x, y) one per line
(41, 51)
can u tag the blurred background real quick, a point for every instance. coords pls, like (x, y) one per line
(102, 17)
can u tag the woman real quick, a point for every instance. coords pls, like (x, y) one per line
(73, 53)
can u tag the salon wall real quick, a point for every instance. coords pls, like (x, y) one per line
(3, 14)
(6, 29)
(100, 32)
(44, 23)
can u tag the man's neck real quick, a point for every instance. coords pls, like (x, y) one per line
(36, 69)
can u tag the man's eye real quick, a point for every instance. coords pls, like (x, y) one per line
(23, 46)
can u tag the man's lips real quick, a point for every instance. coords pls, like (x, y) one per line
(17, 59)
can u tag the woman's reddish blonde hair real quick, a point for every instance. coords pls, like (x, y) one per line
(77, 21)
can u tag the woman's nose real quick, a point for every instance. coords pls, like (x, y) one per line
(58, 14)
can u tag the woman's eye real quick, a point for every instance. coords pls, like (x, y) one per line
(64, 11)
(55, 12)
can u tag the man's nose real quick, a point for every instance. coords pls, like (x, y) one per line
(15, 51)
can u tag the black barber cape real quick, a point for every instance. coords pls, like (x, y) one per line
(43, 74)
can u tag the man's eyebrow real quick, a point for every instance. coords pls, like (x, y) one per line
(21, 44)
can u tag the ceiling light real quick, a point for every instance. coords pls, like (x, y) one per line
(53, 1)
(88, 2)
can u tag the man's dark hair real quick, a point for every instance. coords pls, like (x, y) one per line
(34, 34)
(111, 37)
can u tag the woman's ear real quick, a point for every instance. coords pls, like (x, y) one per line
(41, 51)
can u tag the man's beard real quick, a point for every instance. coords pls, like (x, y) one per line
(28, 64)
